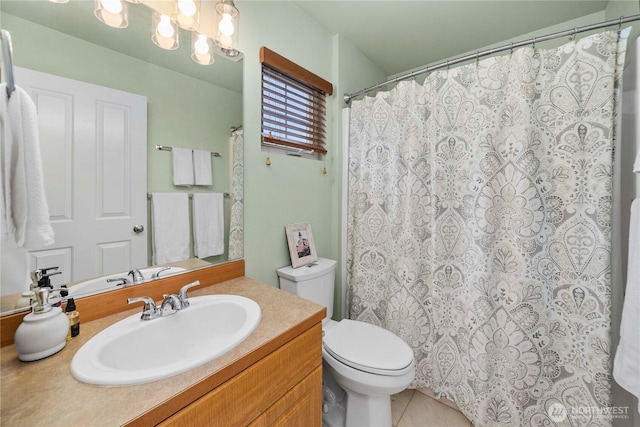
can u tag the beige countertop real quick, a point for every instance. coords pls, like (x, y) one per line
(44, 393)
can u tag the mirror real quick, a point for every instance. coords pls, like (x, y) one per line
(67, 40)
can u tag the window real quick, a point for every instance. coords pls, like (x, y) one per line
(293, 104)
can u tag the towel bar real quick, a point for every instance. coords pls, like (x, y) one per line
(226, 195)
(168, 148)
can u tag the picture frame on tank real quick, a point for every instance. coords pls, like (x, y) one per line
(302, 248)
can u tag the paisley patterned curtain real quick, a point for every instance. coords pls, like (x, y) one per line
(236, 226)
(479, 229)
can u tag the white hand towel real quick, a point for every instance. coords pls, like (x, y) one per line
(208, 224)
(202, 167)
(25, 208)
(626, 366)
(182, 160)
(7, 227)
(170, 227)
(636, 165)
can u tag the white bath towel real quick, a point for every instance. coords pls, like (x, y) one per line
(24, 205)
(182, 159)
(202, 167)
(626, 366)
(208, 224)
(170, 227)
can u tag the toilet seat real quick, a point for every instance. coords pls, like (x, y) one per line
(368, 348)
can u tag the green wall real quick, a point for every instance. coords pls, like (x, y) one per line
(181, 111)
(292, 189)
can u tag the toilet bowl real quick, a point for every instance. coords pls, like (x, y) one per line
(370, 364)
(363, 364)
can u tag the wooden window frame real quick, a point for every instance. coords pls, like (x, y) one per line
(284, 73)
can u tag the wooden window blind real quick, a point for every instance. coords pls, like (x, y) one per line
(293, 104)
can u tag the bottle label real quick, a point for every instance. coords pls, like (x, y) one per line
(74, 325)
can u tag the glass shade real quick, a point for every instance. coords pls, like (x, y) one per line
(187, 14)
(201, 49)
(59, 1)
(165, 32)
(111, 12)
(227, 19)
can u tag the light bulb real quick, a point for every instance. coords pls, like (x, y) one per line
(226, 25)
(226, 42)
(201, 45)
(187, 7)
(112, 6)
(203, 58)
(165, 29)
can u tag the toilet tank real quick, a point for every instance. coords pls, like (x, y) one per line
(314, 282)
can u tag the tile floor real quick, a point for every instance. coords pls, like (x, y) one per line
(412, 408)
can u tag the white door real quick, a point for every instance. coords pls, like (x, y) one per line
(94, 150)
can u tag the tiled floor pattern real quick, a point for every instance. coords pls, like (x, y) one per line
(412, 408)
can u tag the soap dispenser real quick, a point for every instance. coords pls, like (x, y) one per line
(43, 331)
(28, 298)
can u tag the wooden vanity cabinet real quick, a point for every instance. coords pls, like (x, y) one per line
(282, 389)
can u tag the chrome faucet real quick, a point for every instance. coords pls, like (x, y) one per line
(170, 305)
(136, 276)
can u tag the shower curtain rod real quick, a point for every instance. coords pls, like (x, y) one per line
(622, 20)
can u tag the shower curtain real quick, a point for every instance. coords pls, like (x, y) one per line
(236, 225)
(479, 229)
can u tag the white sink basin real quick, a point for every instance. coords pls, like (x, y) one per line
(100, 284)
(134, 351)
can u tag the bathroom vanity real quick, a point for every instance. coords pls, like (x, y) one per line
(272, 377)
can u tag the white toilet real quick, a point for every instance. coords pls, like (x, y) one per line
(363, 364)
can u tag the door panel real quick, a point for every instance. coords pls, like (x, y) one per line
(94, 147)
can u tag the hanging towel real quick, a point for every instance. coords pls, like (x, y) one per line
(25, 211)
(170, 227)
(636, 165)
(182, 166)
(208, 224)
(626, 365)
(202, 167)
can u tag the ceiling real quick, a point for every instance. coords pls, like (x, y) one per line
(396, 35)
(399, 35)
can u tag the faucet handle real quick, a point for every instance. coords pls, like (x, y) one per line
(123, 280)
(157, 273)
(183, 292)
(148, 310)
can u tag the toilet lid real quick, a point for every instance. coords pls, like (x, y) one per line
(368, 348)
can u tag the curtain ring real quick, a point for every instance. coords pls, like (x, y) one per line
(447, 64)
(511, 51)
(477, 57)
(533, 43)
(620, 23)
(573, 36)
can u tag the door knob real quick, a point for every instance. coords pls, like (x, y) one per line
(138, 228)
